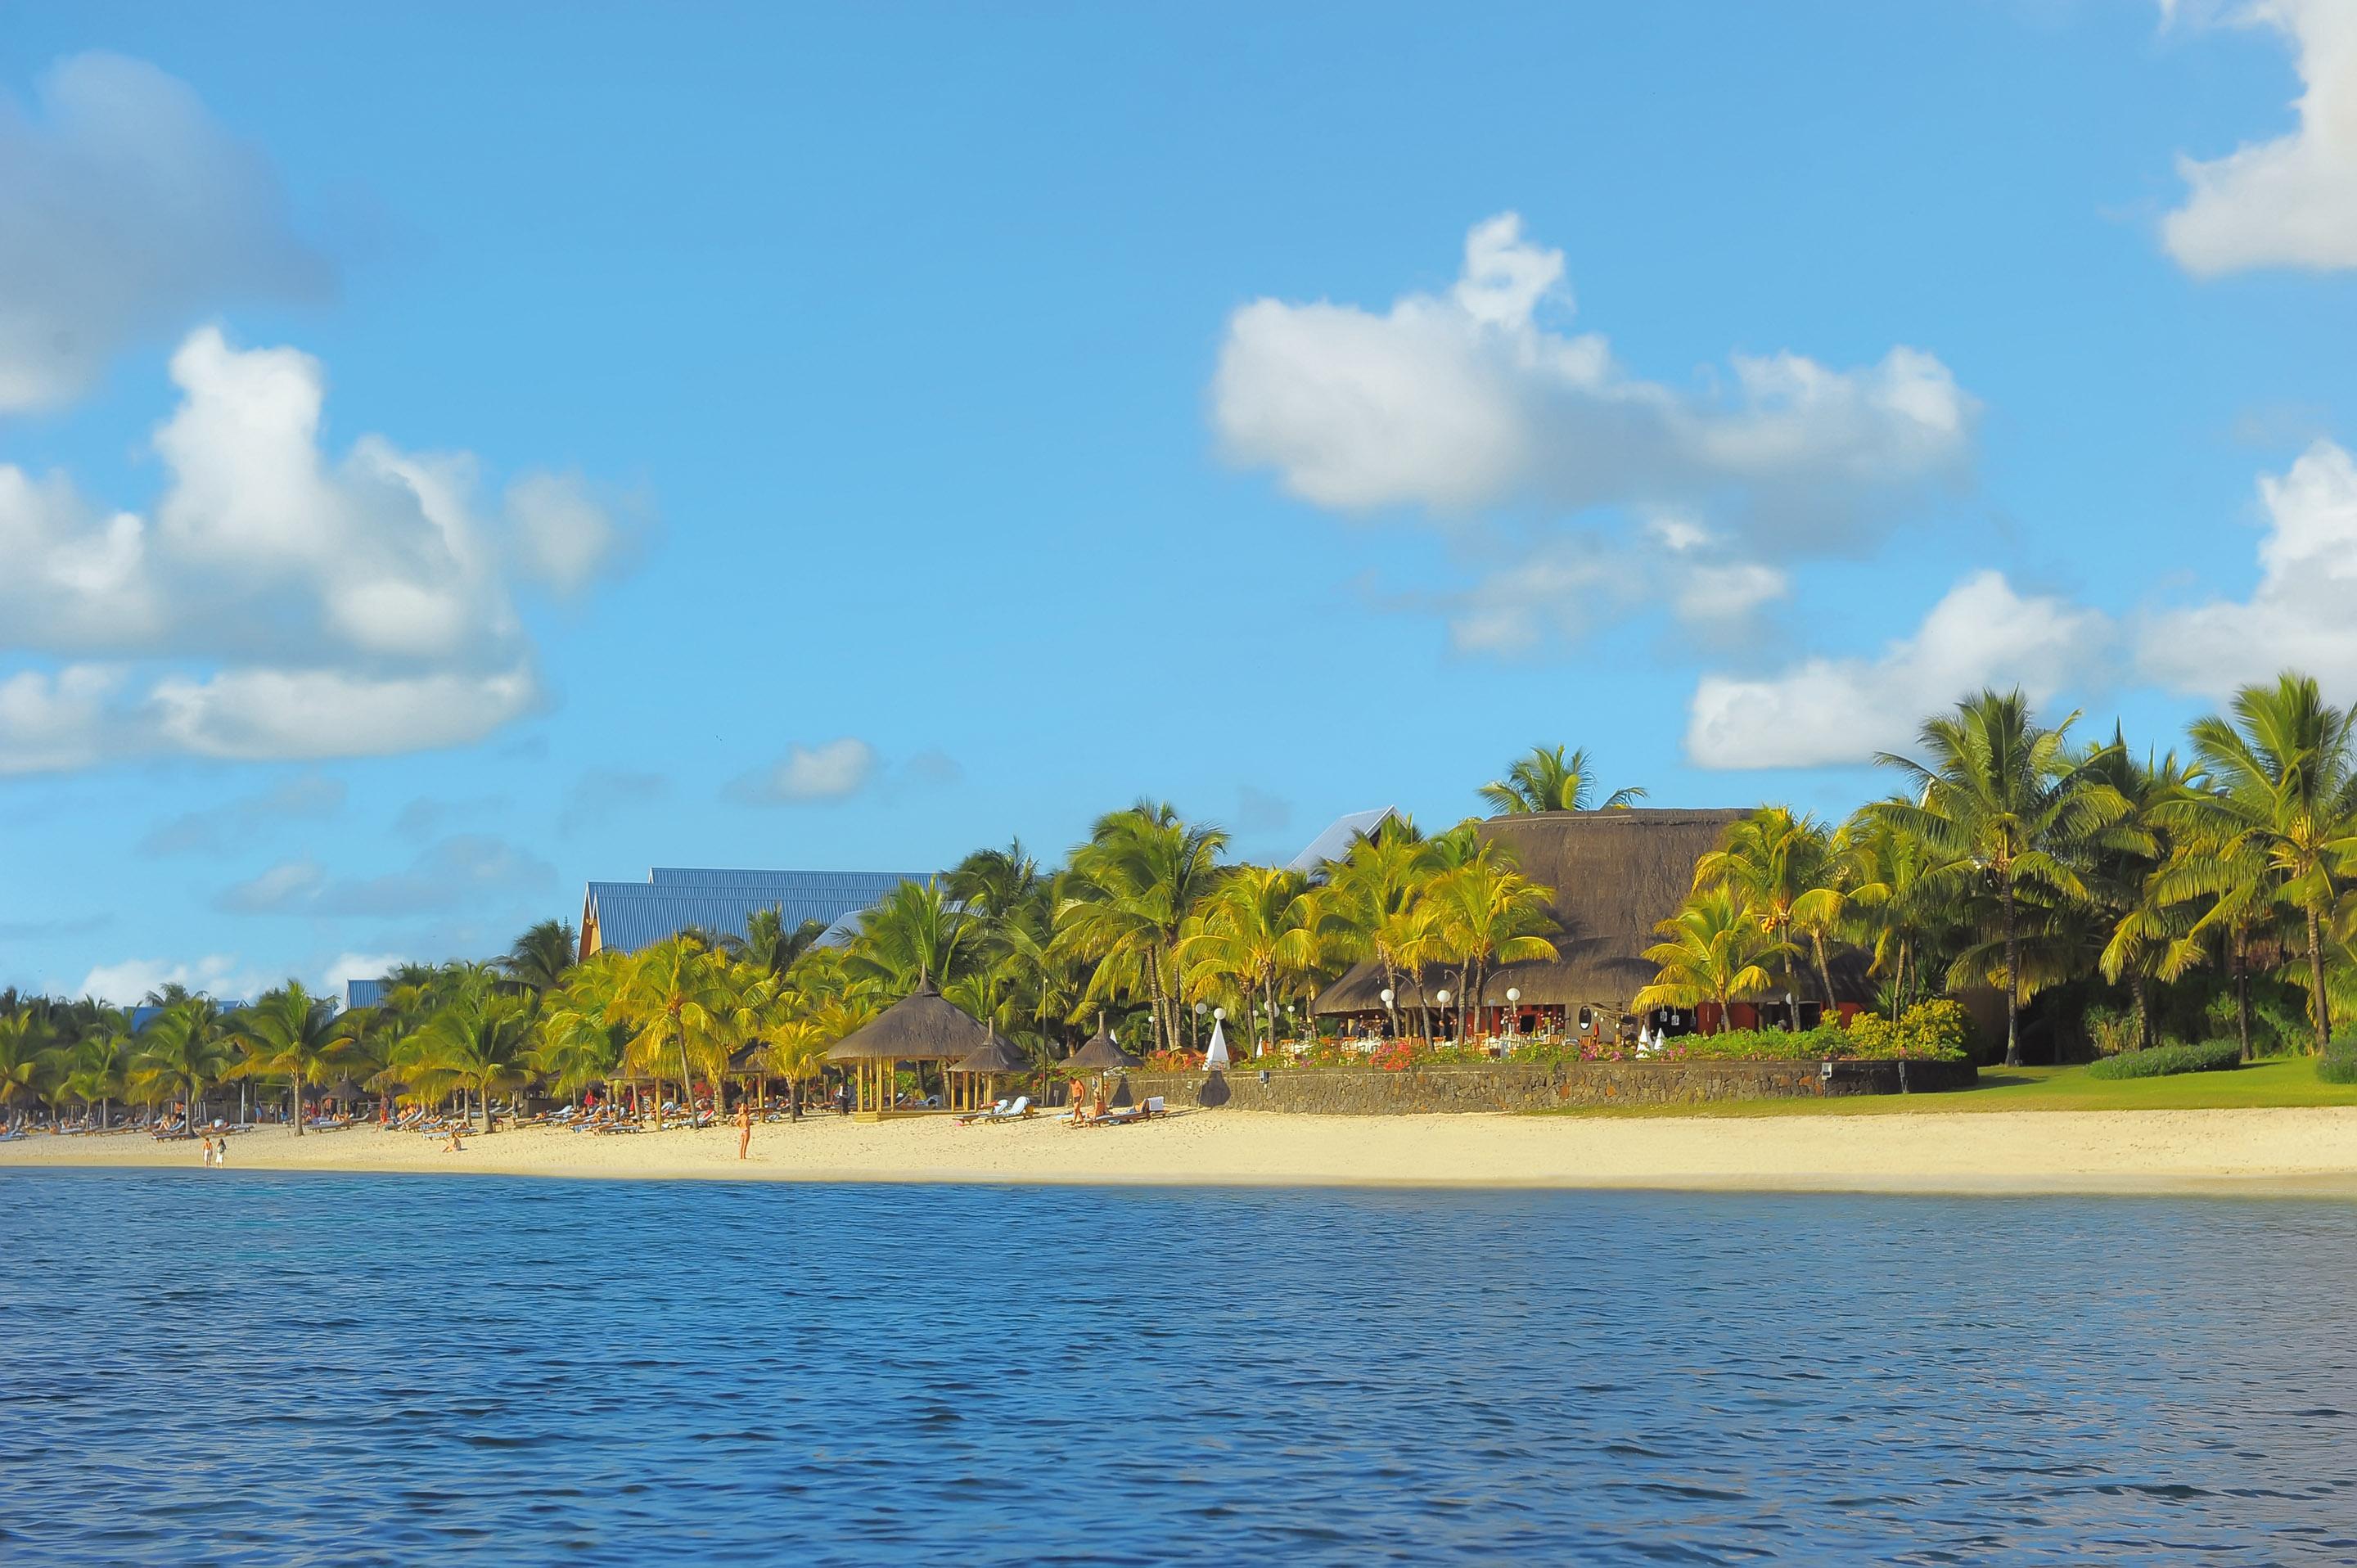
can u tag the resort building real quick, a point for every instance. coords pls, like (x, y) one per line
(627, 916)
(1617, 875)
(1340, 835)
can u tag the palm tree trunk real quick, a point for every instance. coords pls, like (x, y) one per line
(485, 1089)
(2319, 1006)
(2139, 996)
(1825, 974)
(1268, 992)
(295, 1087)
(2242, 992)
(2012, 979)
(686, 1084)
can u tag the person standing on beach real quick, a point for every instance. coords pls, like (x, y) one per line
(208, 1155)
(744, 1127)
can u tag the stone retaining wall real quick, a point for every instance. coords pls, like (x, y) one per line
(1515, 1086)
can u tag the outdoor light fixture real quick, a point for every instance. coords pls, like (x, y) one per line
(1444, 998)
(1387, 994)
(1198, 1009)
(1219, 1014)
(1513, 995)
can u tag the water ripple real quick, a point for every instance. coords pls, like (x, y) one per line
(256, 1370)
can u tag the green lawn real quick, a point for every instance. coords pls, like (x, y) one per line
(2280, 1081)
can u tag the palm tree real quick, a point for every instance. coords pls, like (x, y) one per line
(915, 935)
(1489, 914)
(1254, 929)
(1371, 905)
(2278, 825)
(1785, 867)
(1132, 888)
(2005, 796)
(24, 1038)
(187, 1045)
(478, 1038)
(1894, 904)
(769, 945)
(2145, 935)
(96, 1061)
(538, 960)
(1717, 951)
(674, 998)
(1548, 780)
(291, 1034)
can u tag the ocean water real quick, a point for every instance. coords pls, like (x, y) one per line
(239, 1367)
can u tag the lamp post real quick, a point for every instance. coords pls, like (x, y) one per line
(1513, 1008)
(1792, 1014)
(1387, 994)
(1443, 996)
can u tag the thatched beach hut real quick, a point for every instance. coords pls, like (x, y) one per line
(974, 1081)
(1616, 876)
(923, 1026)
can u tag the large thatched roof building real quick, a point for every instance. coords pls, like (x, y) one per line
(1617, 875)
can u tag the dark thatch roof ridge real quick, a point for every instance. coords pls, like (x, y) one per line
(921, 1026)
(1616, 874)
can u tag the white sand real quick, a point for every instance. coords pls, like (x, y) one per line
(2269, 1151)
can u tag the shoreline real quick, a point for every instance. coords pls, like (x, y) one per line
(2279, 1152)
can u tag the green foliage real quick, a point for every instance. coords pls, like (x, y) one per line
(1764, 1045)
(2111, 1030)
(1937, 1030)
(2166, 1062)
(2339, 1062)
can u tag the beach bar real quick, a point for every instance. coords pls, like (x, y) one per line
(1617, 875)
(923, 1026)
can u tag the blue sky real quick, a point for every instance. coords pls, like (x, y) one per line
(889, 430)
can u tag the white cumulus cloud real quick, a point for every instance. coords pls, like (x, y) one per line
(280, 601)
(835, 770)
(1830, 711)
(2290, 201)
(125, 211)
(2299, 617)
(126, 984)
(1468, 400)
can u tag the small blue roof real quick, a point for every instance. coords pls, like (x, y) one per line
(1336, 840)
(363, 993)
(634, 915)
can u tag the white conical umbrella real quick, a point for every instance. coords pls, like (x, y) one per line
(1216, 1058)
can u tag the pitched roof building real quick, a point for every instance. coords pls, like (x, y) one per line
(627, 916)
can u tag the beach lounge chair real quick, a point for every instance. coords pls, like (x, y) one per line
(1005, 1110)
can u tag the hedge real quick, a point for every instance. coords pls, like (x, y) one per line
(2166, 1062)
(2339, 1062)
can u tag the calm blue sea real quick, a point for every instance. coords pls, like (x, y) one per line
(246, 1369)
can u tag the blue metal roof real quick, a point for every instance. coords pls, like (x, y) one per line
(1335, 842)
(363, 993)
(633, 915)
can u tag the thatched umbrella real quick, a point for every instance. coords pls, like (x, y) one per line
(997, 1053)
(1101, 1053)
(923, 1026)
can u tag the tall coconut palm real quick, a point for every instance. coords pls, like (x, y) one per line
(1785, 868)
(24, 1039)
(1714, 950)
(915, 935)
(479, 1039)
(1489, 914)
(2006, 796)
(2147, 937)
(1371, 905)
(1131, 890)
(539, 959)
(97, 1062)
(1255, 928)
(186, 1046)
(290, 1034)
(1898, 904)
(769, 945)
(2278, 825)
(1547, 779)
(674, 998)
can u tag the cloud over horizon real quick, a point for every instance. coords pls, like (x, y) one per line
(278, 603)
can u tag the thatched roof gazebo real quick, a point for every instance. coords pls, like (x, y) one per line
(978, 1072)
(1101, 1053)
(923, 1026)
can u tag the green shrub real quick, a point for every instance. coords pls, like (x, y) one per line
(2111, 1030)
(2339, 1062)
(1930, 1031)
(1763, 1045)
(2166, 1062)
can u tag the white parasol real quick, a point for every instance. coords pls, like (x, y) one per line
(1216, 1058)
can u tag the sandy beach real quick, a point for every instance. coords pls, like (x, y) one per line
(2306, 1151)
